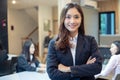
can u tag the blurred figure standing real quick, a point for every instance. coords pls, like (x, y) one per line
(47, 39)
(46, 43)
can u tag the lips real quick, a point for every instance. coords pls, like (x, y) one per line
(72, 26)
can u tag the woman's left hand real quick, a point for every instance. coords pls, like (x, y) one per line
(63, 68)
(91, 60)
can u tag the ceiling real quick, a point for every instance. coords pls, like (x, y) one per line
(22, 4)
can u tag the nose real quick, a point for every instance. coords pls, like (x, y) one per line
(72, 20)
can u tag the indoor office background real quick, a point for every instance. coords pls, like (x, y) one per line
(25, 19)
(28, 21)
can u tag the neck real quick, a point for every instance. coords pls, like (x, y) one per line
(73, 34)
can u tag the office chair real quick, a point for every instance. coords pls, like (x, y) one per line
(13, 64)
(8, 66)
(5, 68)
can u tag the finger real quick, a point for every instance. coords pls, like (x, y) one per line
(89, 58)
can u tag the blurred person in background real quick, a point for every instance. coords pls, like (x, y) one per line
(27, 61)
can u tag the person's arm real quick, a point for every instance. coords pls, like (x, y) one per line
(64, 68)
(110, 66)
(42, 65)
(52, 64)
(23, 64)
(89, 69)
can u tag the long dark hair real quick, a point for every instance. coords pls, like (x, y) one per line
(117, 43)
(62, 41)
(25, 49)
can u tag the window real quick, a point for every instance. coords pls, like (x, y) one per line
(107, 23)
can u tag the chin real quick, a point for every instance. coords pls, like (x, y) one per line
(72, 30)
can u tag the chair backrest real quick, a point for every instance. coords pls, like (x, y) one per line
(13, 63)
(117, 77)
(5, 68)
(8, 66)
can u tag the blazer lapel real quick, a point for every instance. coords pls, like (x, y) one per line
(70, 56)
(79, 48)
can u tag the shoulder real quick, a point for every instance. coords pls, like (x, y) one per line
(21, 57)
(115, 57)
(52, 41)
(87, 38)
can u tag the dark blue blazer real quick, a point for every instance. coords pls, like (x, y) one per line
(24, 65)
(86, 47)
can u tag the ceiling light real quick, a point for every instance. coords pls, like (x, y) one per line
(13, 2)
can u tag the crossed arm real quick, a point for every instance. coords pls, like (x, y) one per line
(64, 68)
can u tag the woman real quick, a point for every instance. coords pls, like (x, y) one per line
(27, 60)
(114, 62)
(69, 52)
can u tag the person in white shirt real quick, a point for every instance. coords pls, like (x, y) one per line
(27, 61)
(113, 66)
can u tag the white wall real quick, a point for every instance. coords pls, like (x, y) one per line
(44, 13)
(108, 39)
(23, 25)
(91, 22)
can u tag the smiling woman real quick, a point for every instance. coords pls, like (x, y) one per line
(72, 55)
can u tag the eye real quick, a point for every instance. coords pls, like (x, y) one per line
(76, 16)
(68, 17)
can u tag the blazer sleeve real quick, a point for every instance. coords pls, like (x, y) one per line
(52, 64)
(85, 70)
(37, 63)
(23, 64)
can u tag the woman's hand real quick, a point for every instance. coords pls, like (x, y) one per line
(90, 61)
(63, 68)
(42, 65)
(42, 70)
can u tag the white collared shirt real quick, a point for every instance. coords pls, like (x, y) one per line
(73, 40)
(32, 64)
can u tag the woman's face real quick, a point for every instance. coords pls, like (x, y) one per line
(32, 49)
(72, 21)
(113, 49)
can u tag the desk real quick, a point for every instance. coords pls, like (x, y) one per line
(26, 76)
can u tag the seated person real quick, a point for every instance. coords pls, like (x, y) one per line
(27, 61)
(3, 54)
(114, 63)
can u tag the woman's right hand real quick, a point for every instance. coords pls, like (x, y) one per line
(42, 70)
(90, 61)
